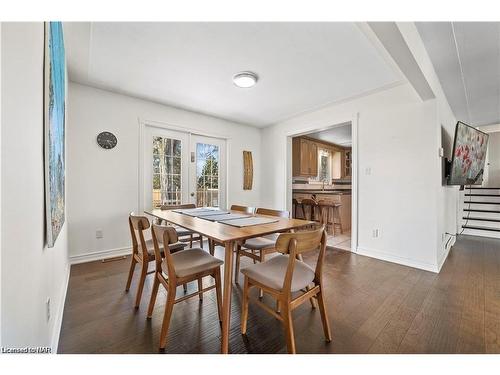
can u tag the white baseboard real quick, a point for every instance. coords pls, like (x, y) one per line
(98, 255)
(445, 253)
(377, 254)
(56, 329)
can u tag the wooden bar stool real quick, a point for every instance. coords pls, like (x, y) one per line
(295, 206)
(329, 214)
(310, 209)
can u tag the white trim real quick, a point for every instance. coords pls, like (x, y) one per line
(354, 183)
(382, 255)
(353, 120)
(56, 329)
(444, 254)
(98, 255)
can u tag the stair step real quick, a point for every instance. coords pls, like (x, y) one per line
(478, 210)
(481, 219)
(475, 202)
(481, 228)
(482, 188)
(482, 195)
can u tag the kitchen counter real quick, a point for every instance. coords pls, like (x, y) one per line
(326, 191)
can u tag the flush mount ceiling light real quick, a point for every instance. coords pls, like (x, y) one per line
(245, 79)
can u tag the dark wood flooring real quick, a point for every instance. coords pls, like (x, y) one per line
(374, 307)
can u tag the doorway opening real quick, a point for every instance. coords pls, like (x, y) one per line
(322, 170)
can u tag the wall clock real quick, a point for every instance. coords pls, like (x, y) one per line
(106, 140)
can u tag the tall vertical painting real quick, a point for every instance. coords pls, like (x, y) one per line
(54, 123)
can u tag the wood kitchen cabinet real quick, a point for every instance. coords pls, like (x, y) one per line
(304, 157)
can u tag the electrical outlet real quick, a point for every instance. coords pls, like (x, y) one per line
(98, 234)
(47, 309)
(368, 171)
(375, 233)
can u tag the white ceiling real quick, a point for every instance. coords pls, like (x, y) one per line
(469, 70)
(340, 135)
(302, 66)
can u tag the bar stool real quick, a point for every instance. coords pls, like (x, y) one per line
(328, 212)
(310, 209)
(295, 206)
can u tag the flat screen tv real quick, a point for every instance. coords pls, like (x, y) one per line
(469, 155)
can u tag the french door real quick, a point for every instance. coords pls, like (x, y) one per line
(182, 168)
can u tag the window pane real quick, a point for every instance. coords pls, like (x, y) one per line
(156, 181)
(177, 148)
(168, 146)
(168, 165)
(157, 145)
(176, 182)
(176, 166)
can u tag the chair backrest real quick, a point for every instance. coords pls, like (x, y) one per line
(308, 202)
(138, 224)
(269, 212)
(248, 210)
(295, 244)
(164, 235)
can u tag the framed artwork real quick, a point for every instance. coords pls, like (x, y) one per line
(54, 129)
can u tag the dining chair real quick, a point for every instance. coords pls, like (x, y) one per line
(142, 252)
(175, 268)
(260, 245)
(183, 232)
(234, 207)
(283, 275)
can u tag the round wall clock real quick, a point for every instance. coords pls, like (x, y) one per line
(106, 140)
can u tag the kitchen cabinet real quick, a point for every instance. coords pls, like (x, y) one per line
(304, 157)
(347, 163)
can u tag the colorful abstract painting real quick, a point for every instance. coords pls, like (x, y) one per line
(469, 155)
(55, 111)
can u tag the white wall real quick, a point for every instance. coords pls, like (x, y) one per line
(31, 272)
(449, 199)
(492, 171)
(397, 142)
(103, 185)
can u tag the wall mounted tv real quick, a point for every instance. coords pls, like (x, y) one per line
(469, 155)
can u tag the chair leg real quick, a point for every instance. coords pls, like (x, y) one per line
(191, 241)
(166, 317)
(278, 306)
(218, 292)
(262, 256)
(288, 325)
(237, 265)
(185, 287)
(324, 317)
(200, 287)
(211, 246)
(244, 307)
(201, 241)
(142, 280)
(154, 293)
(130, 273)
(254, 261)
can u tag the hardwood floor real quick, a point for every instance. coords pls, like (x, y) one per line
(374, 307)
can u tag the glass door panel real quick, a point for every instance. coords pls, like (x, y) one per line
(208, 172)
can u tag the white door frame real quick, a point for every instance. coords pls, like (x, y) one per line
(354, 120)
(143, 123)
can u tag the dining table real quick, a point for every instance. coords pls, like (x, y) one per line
(228, 236)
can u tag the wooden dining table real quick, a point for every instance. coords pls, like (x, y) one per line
(228, 236)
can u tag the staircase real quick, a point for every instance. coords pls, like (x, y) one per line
(481, 213)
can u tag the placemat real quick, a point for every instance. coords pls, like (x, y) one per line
(224, 217)
(249, 221)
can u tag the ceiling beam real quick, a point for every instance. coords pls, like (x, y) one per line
(393, 41)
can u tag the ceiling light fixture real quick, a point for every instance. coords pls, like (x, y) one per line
(245, 79)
